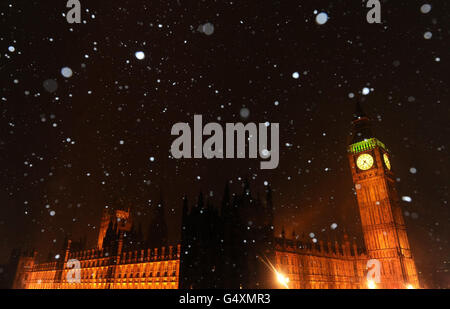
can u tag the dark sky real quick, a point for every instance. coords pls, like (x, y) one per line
(88, 144)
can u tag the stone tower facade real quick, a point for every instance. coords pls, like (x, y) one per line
(382, 221)
(110, 217)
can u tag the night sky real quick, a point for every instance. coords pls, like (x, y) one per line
(69, 146)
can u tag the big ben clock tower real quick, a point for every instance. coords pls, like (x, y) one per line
(382, 221)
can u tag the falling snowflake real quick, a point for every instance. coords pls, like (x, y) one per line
(244, 112)
(425, 9)
(265, 153)
(321, 18)
(140, 55)
(66, 72)
(207, 28)
(407, 199)
(50, 85)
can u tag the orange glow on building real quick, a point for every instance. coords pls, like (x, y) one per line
(145, 269)
(371, 284)
(294, 263)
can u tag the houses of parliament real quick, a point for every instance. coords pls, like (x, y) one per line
(234, 246)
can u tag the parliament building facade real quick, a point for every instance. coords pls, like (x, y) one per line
(233, 246)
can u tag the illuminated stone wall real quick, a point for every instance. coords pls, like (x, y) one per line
(312, 266)
(143, 269)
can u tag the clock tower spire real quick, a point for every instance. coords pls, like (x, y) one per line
(382, 221)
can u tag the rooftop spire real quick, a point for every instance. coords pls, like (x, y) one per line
(361, 126)
(359, 113)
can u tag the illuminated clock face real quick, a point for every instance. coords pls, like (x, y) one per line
(364, 161)
(386, 161)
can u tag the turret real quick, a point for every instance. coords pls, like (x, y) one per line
(66, 255)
